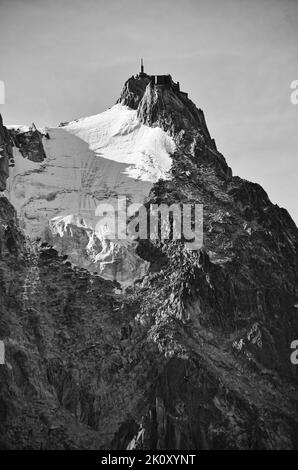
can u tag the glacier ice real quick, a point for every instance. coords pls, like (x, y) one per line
(90, 161)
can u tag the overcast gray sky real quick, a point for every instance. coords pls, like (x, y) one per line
(64, 59)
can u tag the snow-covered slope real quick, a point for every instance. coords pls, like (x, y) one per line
(88, 162)
(118, 135)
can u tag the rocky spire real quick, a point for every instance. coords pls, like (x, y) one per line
(167, 107)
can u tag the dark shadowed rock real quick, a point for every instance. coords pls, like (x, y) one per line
(5, 154)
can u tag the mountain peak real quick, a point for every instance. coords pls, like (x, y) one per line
(159, 101)
(215, 322)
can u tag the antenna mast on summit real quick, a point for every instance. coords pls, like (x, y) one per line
(142, 66)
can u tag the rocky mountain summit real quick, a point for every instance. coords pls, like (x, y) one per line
(194, 353)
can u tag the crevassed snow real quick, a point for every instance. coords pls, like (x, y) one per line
(89, 161)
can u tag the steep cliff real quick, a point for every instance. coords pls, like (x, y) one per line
(5, 154)
(228, 312)
(195, 354)
(74, 356)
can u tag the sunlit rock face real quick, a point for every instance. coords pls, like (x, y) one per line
(87, 163)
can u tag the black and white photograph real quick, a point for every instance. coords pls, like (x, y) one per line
(148, 237)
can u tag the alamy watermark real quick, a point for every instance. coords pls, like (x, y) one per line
(294, 355)
(294, 94)
(120, 221)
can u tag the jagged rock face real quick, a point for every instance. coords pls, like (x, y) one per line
(133, 91)
(165, 107)
(174, 112)
(29, 142)
(5, 154)
(226, 312)
(78, 363)
(234, 302)
(195, 355)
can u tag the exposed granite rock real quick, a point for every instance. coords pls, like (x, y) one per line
(133, 91)
(174, 112)
(225, 315)
(29, 143)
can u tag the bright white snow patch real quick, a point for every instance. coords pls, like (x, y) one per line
(117, 134)
(23, 128)
(19, 128)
